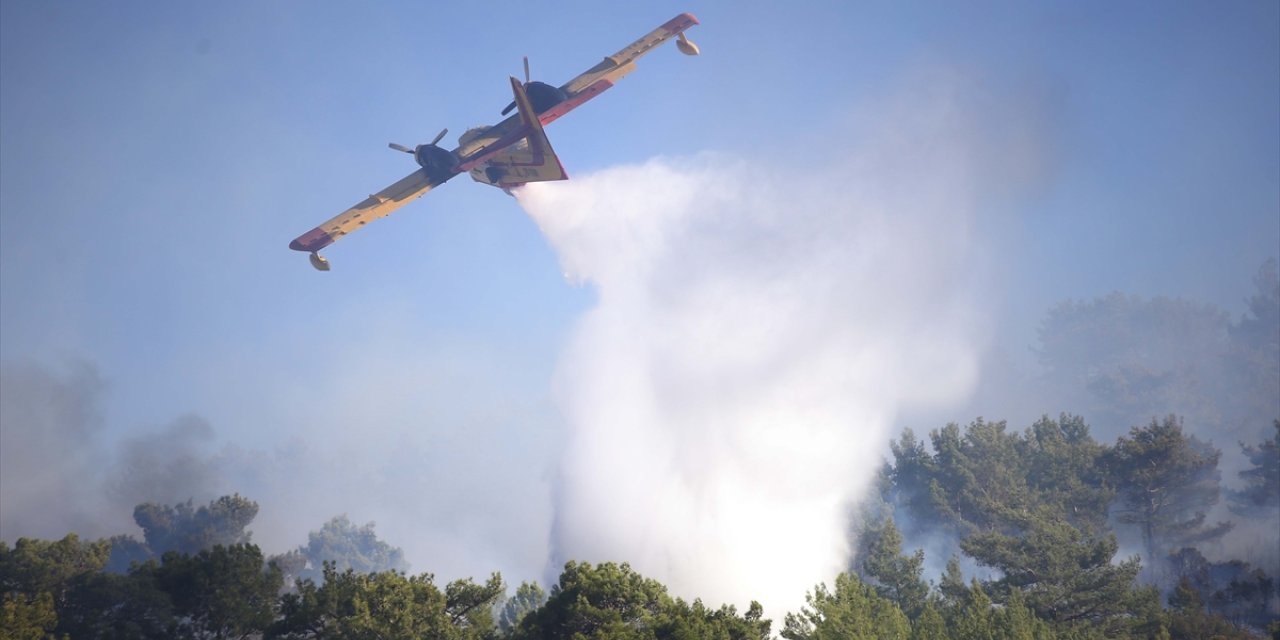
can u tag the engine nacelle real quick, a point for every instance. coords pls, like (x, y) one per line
(440, 163)
(544, 96)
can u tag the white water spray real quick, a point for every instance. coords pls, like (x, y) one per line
(732, 391)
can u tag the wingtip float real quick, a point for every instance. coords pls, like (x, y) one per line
(511, 153)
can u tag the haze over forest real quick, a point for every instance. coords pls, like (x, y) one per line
(1128, 360)
(1055, 526)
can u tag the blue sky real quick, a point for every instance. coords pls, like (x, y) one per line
(156, 159)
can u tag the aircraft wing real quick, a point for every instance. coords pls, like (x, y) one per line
(632, 52)
(376, 206)
(599, 78)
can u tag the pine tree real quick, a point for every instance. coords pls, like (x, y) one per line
(896, 577)
(929, 625)
(1062, 467)
(1017, 622)
(1166, 482)
(1261, 480)
(975, 620)
(908, 482)
(1065, 575)
(852, 611)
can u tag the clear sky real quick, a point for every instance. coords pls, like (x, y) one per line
(156, 159)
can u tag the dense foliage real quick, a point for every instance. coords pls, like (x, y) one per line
(59, 588)
(345, 545)
(1033, 513)
(1038, 513)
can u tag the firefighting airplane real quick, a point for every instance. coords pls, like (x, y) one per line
(511, 153)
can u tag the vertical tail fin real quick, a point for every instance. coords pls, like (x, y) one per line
(540, 164)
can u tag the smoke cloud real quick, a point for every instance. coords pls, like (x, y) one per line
(462, 497)
(62, 470)
(49, 445)
(757, 330)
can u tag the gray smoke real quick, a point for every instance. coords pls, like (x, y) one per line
(50, 450)
(62, 470)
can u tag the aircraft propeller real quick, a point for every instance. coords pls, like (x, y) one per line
(526, 83)
(400, 147)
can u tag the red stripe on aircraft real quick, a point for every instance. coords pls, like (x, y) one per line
(680, 23)
(313, 240)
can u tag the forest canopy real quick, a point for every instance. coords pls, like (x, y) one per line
(1036, 515)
